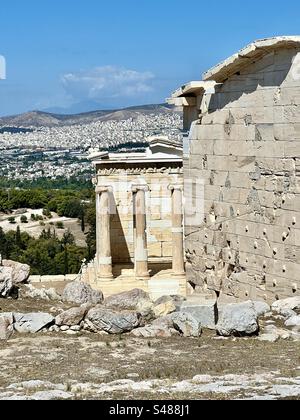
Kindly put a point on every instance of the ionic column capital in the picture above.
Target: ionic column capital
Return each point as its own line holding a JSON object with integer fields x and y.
{"x": 103, "y": 189}
{"x": 176, "y": 187}
{"x": 136, "y": 188}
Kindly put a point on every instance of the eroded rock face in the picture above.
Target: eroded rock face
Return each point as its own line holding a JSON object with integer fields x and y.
{"x": 80, "y": 293}
{"x": 73, "y": 316}
{"x": 239, "y": 319}
{"x": 32, "y": 323}
{"x": 127, "y": 300}
{"x": 20, "y": 272}
{"x": 186, "y": 324}
{"x": 113, "y": 322}
{"x": 6, "y": 281}
{"x": 6, "y": 325}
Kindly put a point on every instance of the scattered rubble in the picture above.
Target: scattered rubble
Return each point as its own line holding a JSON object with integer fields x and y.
{"x": 135, "y": 313}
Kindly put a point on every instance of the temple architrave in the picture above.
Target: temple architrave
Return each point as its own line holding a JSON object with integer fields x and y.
{"x": 139, "y": 208}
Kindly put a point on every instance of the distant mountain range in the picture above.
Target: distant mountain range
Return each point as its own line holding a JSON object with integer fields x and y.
{"x": 45, "y": 119}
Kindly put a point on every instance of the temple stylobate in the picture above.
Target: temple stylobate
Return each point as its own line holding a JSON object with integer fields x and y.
{"x": 139, "y": 211}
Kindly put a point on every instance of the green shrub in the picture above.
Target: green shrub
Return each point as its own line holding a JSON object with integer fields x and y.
{"x": 24, "y": 219}
{"x": 60, "y": 225}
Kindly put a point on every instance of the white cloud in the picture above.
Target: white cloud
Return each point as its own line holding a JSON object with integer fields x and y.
{"x": 108, "y": 82}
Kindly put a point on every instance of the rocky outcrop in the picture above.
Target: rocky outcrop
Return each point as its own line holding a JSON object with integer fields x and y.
{"x": 79, "y": 293}
{"x": 113, "y": 322}
{"x": 240, "y": 319}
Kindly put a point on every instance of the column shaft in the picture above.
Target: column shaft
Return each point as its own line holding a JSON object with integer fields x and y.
{"x": 104, "y": 256}
{"x": 141, "y": 252}
{"x": 178, "y": 264}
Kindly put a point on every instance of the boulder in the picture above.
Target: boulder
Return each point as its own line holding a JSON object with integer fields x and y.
{"x": 73, "y": 316}
{"x": 20, "y": 272}
{"x": 154, "y": 331}
{"x": 164, "y": 307}
{"x": 294, "y": 321}
{"x": 164, "y": 322}
{"x": 286, "y": 314}
{"x": 6, "y": 325}
{"x": 127, "y": 300}
{"x": 89, "y": 326}
{"x": 290, "y": 304}
{"x": 33, "y": 322}
{"x": 177, "y": 299}
{"x": 145, "y": 308}
{"x": 113, "y": 322}
{"x": 6, "y": 281}
{"x": 30, "y": 291}
{"x": 79, "y": 293}
{"x": 186, "y": 324}
{"x": 280, "y": 332}
{"x": 205, "y": 311}
{"x": 270, "y": 337}
{"x": 261, "y": 308}
{"x": 238, "y": 319}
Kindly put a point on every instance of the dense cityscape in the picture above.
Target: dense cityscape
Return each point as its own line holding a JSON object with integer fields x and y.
{"x": 52, "y": 152}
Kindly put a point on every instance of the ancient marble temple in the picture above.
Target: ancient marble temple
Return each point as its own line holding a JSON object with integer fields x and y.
{"x": 139, "y": 202}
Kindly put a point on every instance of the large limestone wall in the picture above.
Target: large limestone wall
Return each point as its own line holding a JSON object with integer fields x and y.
{"x": 158, "y": 207}
{"x": 247, "y": 151}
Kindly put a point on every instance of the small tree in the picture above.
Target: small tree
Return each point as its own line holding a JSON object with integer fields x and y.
{"x": 47, "y": 213}
{"x": 12, "y": 220}
{"x": 18, "y": 238}
{"x": 82, "y": 222}
{"x": 24, "y": 219}
{"x": 60, "y": 225}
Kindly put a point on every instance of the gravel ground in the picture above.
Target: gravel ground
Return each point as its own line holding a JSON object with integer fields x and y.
{"x": 93, "y": 366}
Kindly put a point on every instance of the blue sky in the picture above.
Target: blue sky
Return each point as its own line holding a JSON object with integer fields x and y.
{"x": 78, "y": 55}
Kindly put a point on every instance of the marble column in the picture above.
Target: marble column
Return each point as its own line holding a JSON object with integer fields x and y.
{"x": 141, "y": 252}
{"x": 104, "y": 256}
{"x": 178, "y": 264}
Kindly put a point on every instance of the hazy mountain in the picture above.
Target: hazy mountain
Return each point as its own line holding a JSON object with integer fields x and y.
{"x": 46, "y": 119}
